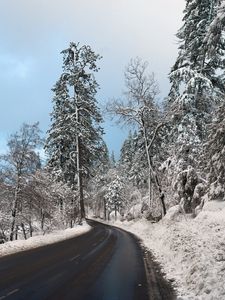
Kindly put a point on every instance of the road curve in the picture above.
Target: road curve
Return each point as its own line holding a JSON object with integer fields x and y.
{"x": 105, "y": 263}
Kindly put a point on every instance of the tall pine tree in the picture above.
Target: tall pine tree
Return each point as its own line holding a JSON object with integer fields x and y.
{"x": 196, "y": 86}
{"x": 74, "y": 138}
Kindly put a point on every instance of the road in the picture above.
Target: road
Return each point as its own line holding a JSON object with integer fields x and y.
{"x": 106, "y": 263}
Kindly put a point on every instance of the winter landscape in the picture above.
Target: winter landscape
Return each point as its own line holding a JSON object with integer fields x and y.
{"x": 80, "y": 220}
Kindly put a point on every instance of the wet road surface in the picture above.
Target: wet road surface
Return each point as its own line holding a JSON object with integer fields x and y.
{"x": 106, "y": 263}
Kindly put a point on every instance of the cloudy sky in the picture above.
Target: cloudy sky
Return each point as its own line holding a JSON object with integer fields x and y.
{"x": 33, "y": 32}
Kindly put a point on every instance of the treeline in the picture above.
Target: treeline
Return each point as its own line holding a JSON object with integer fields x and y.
{"x": 179, "y": 147}
{"x": 30, "y": 200}
{"x": 174, "y": 153}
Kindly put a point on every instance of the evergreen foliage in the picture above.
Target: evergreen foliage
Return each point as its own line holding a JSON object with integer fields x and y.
{"x": 74, "y": 139}
{"x": 215, "y": 154}
{"x": 114, "y": 195}
{"x": 196, "y": 87}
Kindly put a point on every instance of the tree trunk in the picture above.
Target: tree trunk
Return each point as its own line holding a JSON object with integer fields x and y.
{"x": 14, "y": 211}
{"x": 152, "y": 173}
{"x": 16, "y": 233}
{"x": 79, "y": 171}
{"x": 115, "y": 213}
{"x": 105, "y": 212}
{"x": 149, "y": 166}
{"x": 30, "y": 228}
{"x": 150, "y": 189}
{"x": 24, "y": 231}
{"x": 42, "y": 220}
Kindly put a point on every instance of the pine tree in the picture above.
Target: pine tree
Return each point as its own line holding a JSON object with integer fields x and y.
{"x": 74, "y": 138}
{"x": 215, "y": 156}
{"x": 114, "y": 196}
{"x": 195, "y": 82}
{"x": 196, "y": 87}
{"x": 113, "y": 160}
{"x": 126, "y": 155}
{"x": 214, "y": 39}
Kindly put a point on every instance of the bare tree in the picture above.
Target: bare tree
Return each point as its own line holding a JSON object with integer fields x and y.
{"x": 21, "y": 160}
{"x": 140, "y": 109}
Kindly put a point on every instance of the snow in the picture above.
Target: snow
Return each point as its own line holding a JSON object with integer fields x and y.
{"x": 114, "y": 217}
{"x": 191, "y": 251}
{"x": 42, "y": 240}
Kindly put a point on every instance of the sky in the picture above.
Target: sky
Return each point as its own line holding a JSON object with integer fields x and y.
{"x": 33, "y": 33}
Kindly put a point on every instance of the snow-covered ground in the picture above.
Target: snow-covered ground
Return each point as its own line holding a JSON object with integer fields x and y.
{"x": 41, "y": 240}
{"x": 191, "y": 251}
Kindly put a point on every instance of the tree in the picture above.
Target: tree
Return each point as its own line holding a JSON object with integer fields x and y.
{"x": 195, "y": 83}
{"x": 49, "y": 202}
{"x": 98, "y": 181}
{"x": 113, "y": 160}
{"x": 114, "y": 195}
{"x": 196, "y": 88}
{"x": 126, "y": 154}
{"x": 20, "y": 161}
{"x": 214, "y": 42}
{"x": 140, "y": 110}
{"x": 214, "y": 156}
{"x": 74, "y": 139}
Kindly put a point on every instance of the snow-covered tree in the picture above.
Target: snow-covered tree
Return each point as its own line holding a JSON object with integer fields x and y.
{"x": 215, "y": 156}
{"x": 127, "y": 153}
{"x": 20, "y": 161}
{"x": 139, "y": 109}
{"x": 196, "y": 87}
{"x": 195, "y": 82}
{"x": 74, "y": 139}
{"x": 113, "y": 160}
{"x": 48, "y": 202}
{"x": 214, "y": 39}
{"x": 114, "y": 196}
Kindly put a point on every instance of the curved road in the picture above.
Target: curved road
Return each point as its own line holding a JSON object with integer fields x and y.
{"x": 103, "y": 264}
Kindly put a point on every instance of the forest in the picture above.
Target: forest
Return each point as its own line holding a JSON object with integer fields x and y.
{"x": 173, "y": 155}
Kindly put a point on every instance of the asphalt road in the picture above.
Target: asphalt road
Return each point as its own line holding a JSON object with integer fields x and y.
{"x": 106, "y": 263}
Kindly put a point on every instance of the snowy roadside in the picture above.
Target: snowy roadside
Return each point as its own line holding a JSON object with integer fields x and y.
{"x": 42, "y": 240}
{"x": 191, "y": 251}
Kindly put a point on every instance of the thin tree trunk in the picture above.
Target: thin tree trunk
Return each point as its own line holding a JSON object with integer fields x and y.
{"x": 42, "y": 220}
{"x": 105, "y": 212}
{"x": 30, "y": 219}
{"x": 14, "y": 211}
{"x": 16, "y": 233}
{"x": 30, "y": 228}
{"x": 61, "y": 205}
{"x": 24, "y": 231}
{"x": 150, "y": 189}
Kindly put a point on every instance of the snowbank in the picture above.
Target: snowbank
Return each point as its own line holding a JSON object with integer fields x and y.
{"x": 41, "y": 240}
{"x": 191, "y": 251}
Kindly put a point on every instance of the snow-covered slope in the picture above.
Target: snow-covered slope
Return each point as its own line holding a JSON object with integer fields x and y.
{"x": 191, "y": 251}
{"x": 41, "y": 240}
